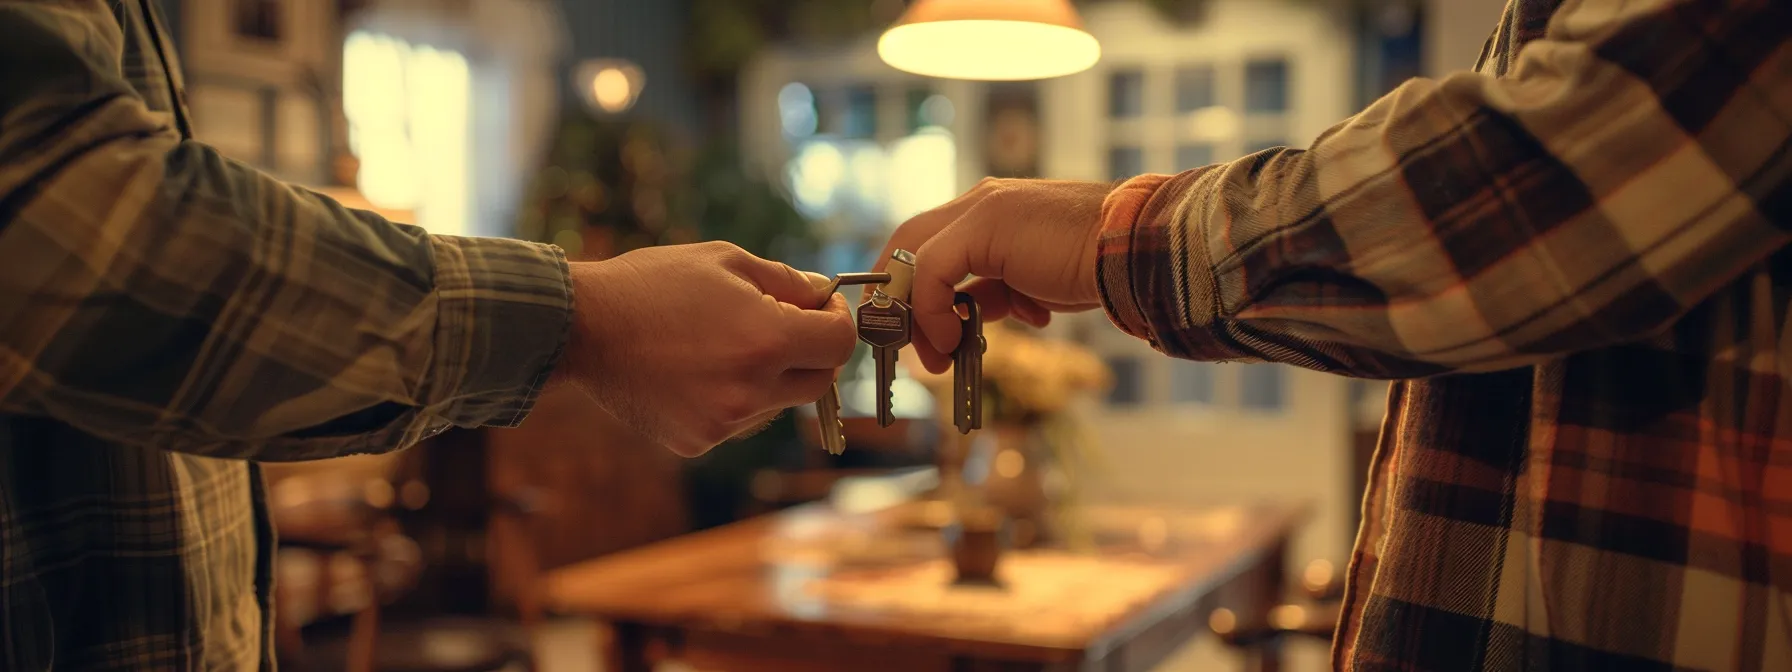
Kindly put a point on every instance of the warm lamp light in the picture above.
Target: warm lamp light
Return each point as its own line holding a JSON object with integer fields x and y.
{"x": 610, "y": 86}
{"x": 990, "y": 40}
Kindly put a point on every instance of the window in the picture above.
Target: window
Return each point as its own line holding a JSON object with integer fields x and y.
{"x": 1194, "y": 88}
{"x": 1266, "y": 86}
{"x": 860, "y": 119}
{"x": 1262, "y": 387}
{"x": 1126, "y": 94}
{"x": 259, "y": 19}
{"x": 1129, "y": 381}
{"x": 1125, "y": 162}
{"x": 1192, "y": 382}
{"x": 1193, "y": 156}
{"x": 926, "y": 108}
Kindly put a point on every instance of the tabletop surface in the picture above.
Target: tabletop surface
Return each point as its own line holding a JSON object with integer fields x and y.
{"x": 882, "y": 577}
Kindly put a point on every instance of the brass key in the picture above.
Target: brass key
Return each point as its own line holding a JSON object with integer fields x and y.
{"x": 827, "y": 408}
{"x": 885, "y": 324}
{"x": 967, "y": 367}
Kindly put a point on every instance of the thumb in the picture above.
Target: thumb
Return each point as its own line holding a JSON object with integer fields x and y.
{"x": 788, "y": 285}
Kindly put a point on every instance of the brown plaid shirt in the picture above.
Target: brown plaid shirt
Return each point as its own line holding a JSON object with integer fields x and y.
{"x": 168, "y": 317}
{"x": 1574, "y": 264}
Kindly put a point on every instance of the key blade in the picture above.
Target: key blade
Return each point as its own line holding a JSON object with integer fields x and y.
{"x": 827, "y": 415}
{"x": 886, "y": 376}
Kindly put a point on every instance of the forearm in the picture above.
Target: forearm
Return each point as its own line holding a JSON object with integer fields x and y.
{"x": 1625, "y": 170}
{"x": 156, "y": 294}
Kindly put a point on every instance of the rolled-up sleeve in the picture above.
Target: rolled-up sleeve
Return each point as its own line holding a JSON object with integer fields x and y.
{"x": 1634, "y": 161}
{"x": 158, "y": 294}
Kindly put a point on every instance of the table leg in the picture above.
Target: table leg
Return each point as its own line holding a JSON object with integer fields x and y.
{"x": 626, "y": 648}
{"x": 1271, "y": 583}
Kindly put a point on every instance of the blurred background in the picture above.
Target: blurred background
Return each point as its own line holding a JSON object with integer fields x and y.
{"x": 604, "y": 126}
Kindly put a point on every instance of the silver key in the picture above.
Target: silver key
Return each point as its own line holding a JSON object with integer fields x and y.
{"x": 827, "y": 408}
{"x": 967, "y": 368}
{"x": 885, "y": 323}
{"x": 827, "y": 413}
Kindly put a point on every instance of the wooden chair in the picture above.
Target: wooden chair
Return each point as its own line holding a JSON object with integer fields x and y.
{"x": 360, "y": 524}
{"x": 1314, "y": 618}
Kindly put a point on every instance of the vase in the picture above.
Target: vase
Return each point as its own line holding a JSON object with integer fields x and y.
{"x": 1009, "y": 471}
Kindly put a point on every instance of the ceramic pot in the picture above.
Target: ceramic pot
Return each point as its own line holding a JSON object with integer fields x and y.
{"x": 1012, "y": 464}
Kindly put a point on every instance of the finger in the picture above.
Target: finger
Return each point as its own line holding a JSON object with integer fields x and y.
{"x": 996, "y": 300}
{"x": 932, "y": 359}
{"x": 786, "y": 284}
{"x": 940, "y": 265}
{"x": 818, "y": 339}
{"x": 797, "y": 387}
{"x": 919, "y": 229}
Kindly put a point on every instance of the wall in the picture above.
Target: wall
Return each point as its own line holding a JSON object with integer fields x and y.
{"x": 249, "y": 98}
{"x": 1455, "y": 31}
{"x": 651, "y": 34}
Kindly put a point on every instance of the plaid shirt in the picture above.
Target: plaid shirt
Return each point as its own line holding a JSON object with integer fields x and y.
{"x": 168, "y": 317}
{"x": 1574, "y": 264}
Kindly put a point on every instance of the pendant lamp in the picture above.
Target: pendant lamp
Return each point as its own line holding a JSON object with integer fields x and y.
{"x": 989, "y": 40}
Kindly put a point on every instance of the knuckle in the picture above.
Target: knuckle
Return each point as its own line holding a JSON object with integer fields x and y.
{"x": 731, "y": 407}
{"x": 725, "y": 251}
{"x": 763, "y": 347}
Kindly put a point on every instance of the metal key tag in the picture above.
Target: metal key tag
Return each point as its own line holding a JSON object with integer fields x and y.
{"x": 884, "y": 322}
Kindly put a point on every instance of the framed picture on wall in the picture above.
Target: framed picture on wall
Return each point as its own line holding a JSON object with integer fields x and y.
{"x": 1011, "y": 129}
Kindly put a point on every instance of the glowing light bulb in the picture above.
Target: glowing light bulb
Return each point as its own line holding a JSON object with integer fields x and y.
{"x": 990, "y": 40}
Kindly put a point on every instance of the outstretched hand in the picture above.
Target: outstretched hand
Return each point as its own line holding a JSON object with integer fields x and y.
{"x": 692, "y": 345}
{"x": 1027, "y": 245}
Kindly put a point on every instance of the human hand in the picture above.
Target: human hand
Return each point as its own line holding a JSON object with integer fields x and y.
{"x": 1029, "y": 243}
{"x": 692, "y": 345}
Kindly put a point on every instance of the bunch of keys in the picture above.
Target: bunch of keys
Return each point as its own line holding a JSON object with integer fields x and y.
{"x": 827, "y": 408}
{"x": 885, "y": 322}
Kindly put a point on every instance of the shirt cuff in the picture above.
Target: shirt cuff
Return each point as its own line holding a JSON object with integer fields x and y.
{"x": 1121, "y": 255}
{"x": 503, "y": 314}
{"x": 1152, "y": 266}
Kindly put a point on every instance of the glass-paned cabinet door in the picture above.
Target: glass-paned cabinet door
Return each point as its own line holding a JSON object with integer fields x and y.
{"x": 1266, "y": 86}
{"x": 1126, "y": 94}
{"x": 1195, "y": 88}
{"x": 1125, "y": 161}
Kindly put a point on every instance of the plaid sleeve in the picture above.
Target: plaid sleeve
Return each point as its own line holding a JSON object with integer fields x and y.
{"x": 1633, "y": 161}
{"x": 155, "y": 293}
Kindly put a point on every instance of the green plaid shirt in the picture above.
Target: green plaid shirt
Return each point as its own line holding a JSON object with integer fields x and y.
{"x": 168, "y": 317}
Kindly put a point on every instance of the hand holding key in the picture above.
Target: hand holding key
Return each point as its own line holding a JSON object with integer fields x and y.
{"x": 692, "y": 345}
{"x": 1029, "y": 243}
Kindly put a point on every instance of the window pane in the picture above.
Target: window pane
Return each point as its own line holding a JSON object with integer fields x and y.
{"x": 1262, "y": 387}
{"x": 1194, "y": 88}
{"x": 1193, "y": 156}
{"x": 1266, "y": 86}
{"x": 1126, "y": 94}
{"x": 1129, "y": 382}
{"x": 860, "y": 120}
{"x": 1125, "y": 162}
{"x": 258, "y": 19}
{"x": 1192, "y": 382}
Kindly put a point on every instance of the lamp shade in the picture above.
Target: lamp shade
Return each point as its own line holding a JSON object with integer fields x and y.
{"x": 989, "y": 40}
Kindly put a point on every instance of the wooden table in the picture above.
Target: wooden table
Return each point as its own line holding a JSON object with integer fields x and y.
{"x": 813, "y": 589}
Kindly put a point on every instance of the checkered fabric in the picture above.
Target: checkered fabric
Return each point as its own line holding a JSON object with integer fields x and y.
{"x": 1573, "y": 263}
{"x": 168, "y": 317}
